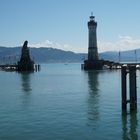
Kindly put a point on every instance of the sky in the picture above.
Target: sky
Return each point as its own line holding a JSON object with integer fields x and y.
{"x": 62, "y": 24}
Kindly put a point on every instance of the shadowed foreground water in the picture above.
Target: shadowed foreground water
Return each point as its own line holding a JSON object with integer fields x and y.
{"x": 62, "y": 102}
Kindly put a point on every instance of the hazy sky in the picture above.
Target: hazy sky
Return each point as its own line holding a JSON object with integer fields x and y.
{"x": 63, "y": 23}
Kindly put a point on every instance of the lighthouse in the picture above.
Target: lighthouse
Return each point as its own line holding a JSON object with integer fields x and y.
{"x": 92, "y": 42}
{"x": 92, "y": 61}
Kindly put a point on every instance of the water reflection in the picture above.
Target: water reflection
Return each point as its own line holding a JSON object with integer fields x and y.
{"x": 129, "y": 126}
{"x": 26, "y": 82}
{"x": 93, "y": 100}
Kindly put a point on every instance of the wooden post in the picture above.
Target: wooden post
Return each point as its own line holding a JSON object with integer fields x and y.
{"x": 38, "y": 67}
{"x": 133, "y": 88}
{"x": 124, "y": 90}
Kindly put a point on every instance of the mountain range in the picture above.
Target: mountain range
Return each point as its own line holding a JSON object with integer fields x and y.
{"x": 53, "y": 55}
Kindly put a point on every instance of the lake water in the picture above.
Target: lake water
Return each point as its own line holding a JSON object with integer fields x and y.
{"x": 63, "y": 102}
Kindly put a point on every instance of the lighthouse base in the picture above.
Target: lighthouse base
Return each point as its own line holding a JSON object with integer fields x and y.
{"x": 93, "y": 65}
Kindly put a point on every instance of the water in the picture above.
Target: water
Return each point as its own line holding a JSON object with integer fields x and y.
{"x": 62, "y": 102}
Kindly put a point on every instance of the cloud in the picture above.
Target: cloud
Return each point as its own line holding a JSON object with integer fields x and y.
{"x": 45, "y": 43}
{"x": 50, "y": 44}
{"x": 122, "y": 44}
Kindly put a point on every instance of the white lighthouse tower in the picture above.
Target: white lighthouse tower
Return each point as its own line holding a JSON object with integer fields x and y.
{"x": 93, "y": 61}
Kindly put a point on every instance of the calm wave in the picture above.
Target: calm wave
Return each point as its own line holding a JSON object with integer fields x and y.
{"x": 62, "y": 102}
